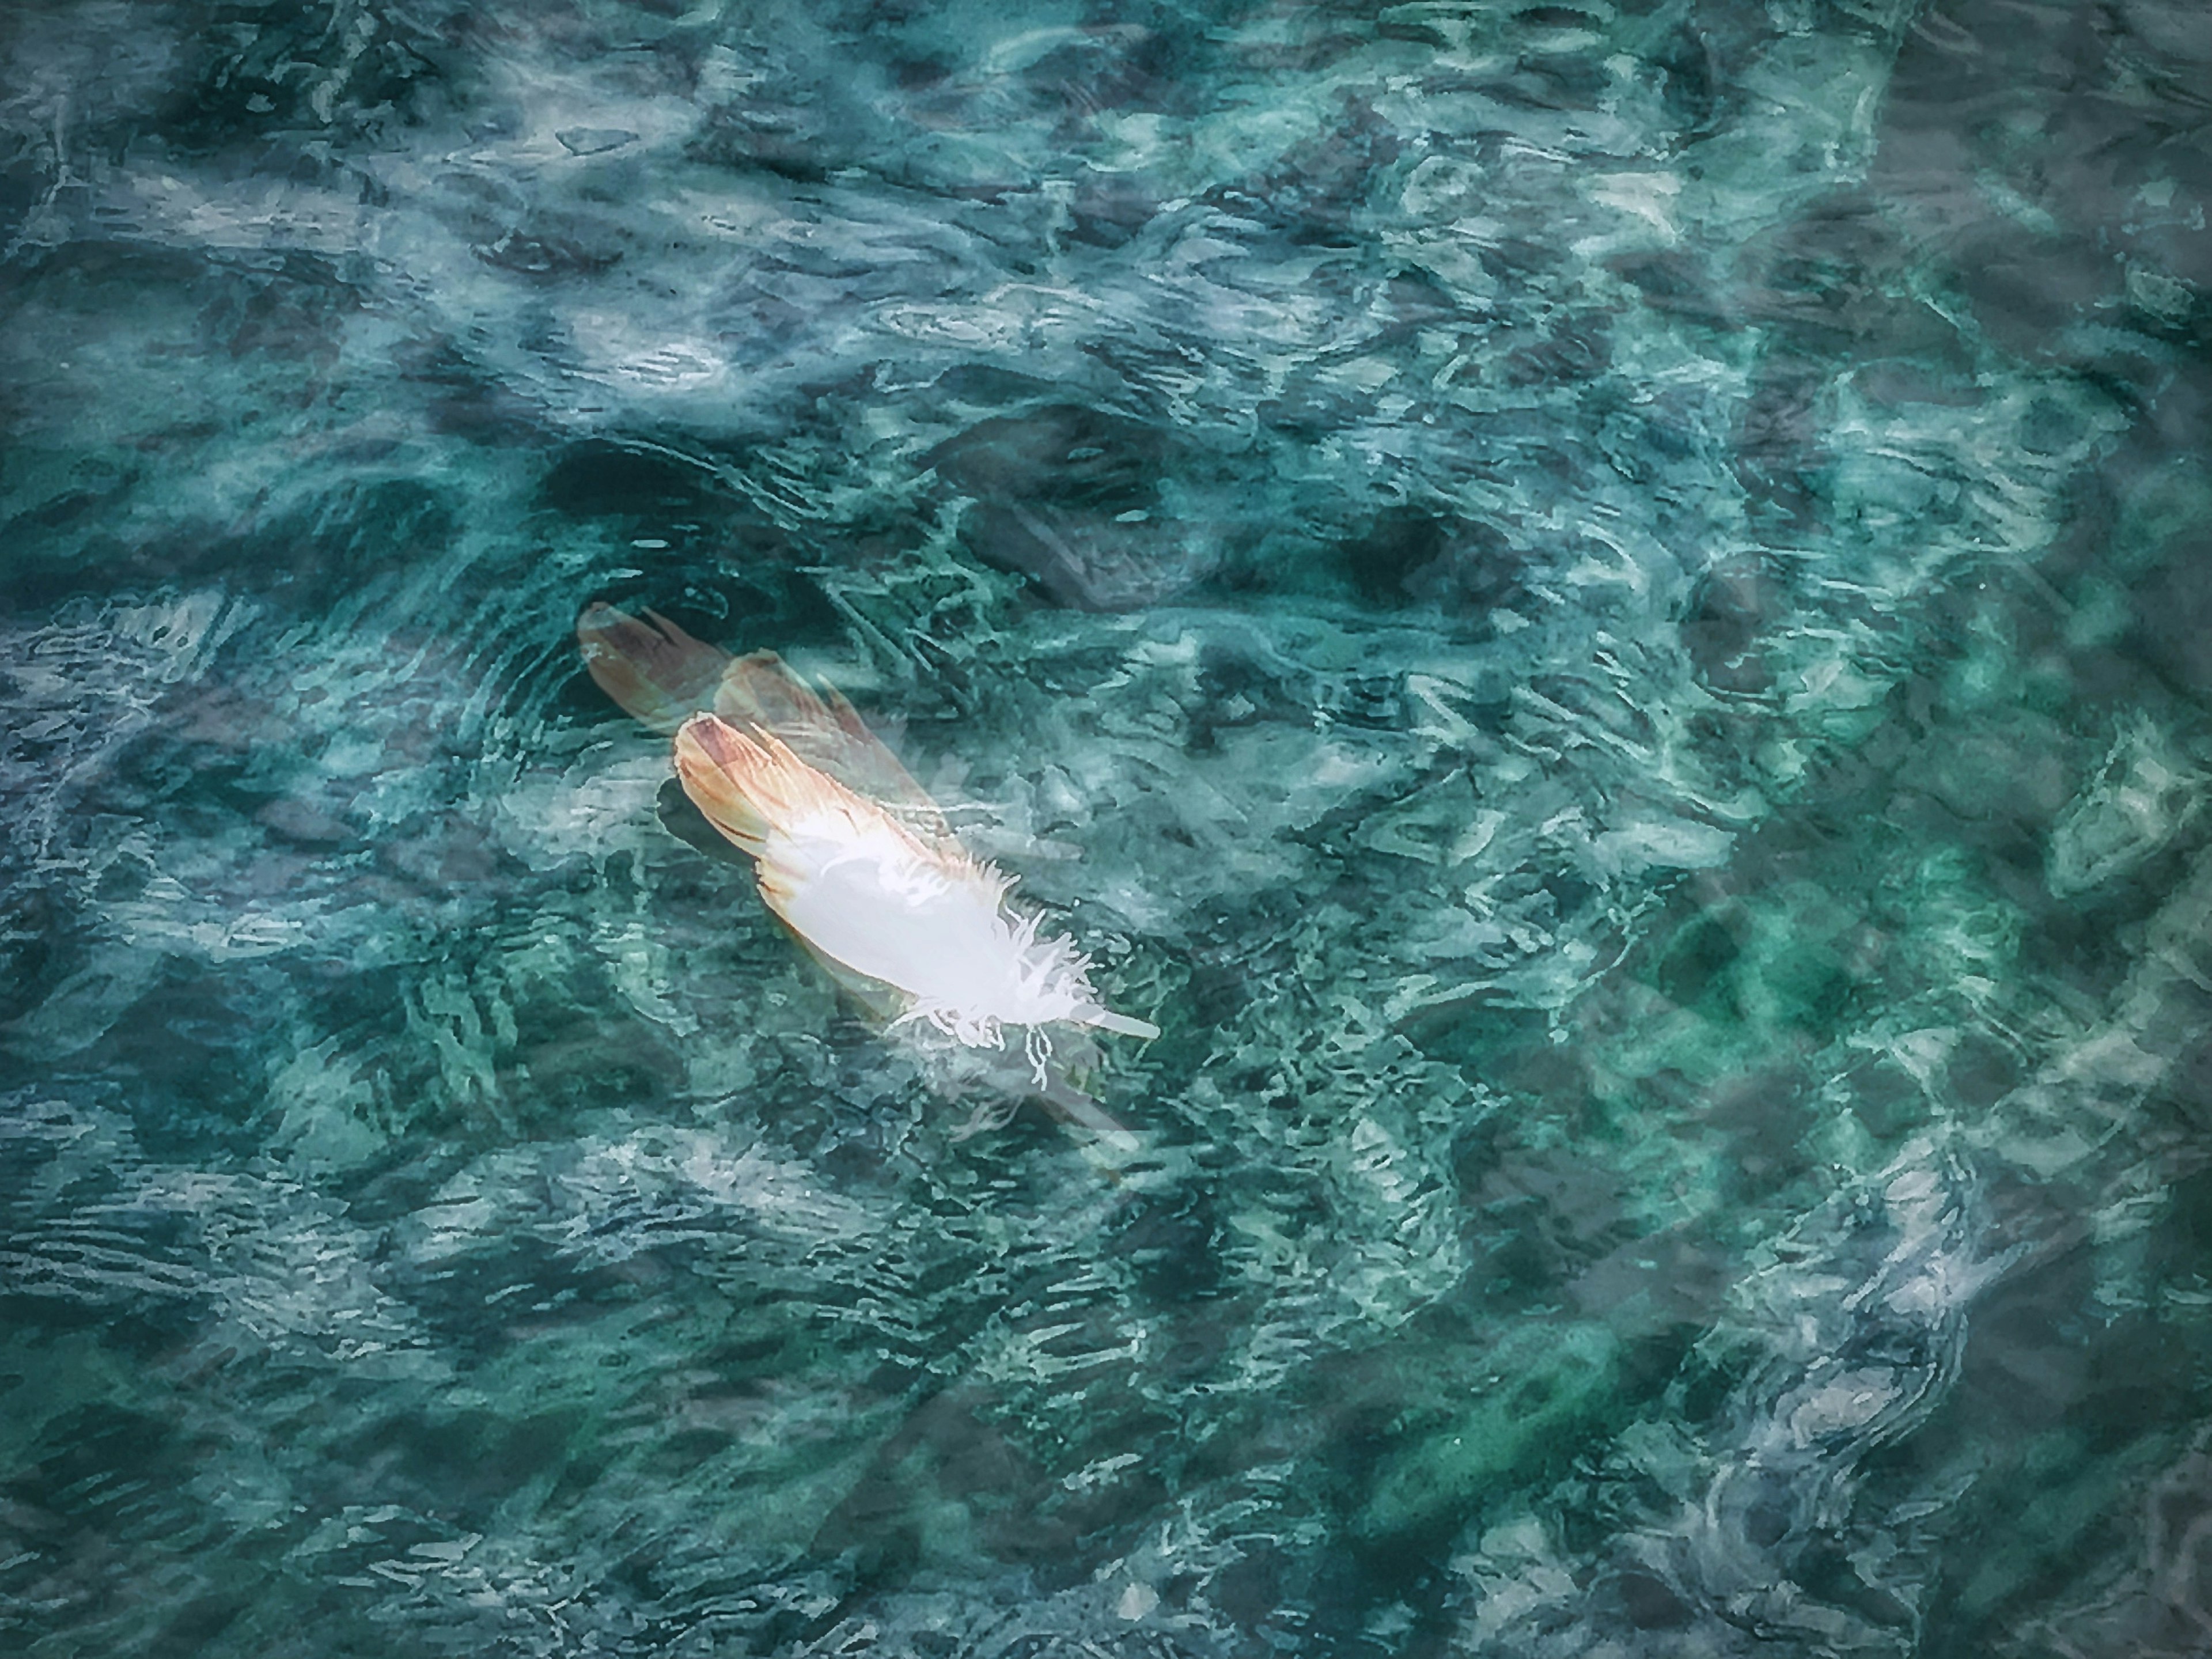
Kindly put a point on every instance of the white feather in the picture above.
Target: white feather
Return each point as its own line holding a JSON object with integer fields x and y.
{"x": 849, "y": 850}
{"x": 907, "y": 910}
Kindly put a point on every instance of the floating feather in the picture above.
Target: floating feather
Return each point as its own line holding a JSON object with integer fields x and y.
{"x": 850, "y": 851}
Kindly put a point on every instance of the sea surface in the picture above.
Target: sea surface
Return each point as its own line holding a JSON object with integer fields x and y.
{"x": 1603, "y": 610}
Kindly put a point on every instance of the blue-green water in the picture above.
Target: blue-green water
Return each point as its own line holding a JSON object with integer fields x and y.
{"x": 1601, "y": 609}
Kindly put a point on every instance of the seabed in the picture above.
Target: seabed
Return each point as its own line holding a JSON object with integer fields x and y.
{"x": 1603, "y": 611}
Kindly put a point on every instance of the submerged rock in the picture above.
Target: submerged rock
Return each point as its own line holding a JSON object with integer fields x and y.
{"x": 1081, "y": 502}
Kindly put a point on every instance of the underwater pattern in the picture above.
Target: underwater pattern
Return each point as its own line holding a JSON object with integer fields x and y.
{"x": 1603, "y": 611}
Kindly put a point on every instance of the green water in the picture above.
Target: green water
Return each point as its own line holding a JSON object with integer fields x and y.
{"x": 1599, "y": 610}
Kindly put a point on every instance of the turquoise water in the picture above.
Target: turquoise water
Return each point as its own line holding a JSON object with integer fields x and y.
{"x": 1601, "y": 610}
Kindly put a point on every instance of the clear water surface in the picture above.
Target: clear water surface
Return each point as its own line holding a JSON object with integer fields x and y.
{"x": 1601, "y": 607}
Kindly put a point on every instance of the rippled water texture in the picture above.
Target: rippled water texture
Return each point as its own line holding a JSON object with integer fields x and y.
{"x": 1601, "y": 609}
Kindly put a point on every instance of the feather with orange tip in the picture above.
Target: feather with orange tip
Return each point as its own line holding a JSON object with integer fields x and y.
{"x": 849, "y": 851}
{"x": 865, "y": 890}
